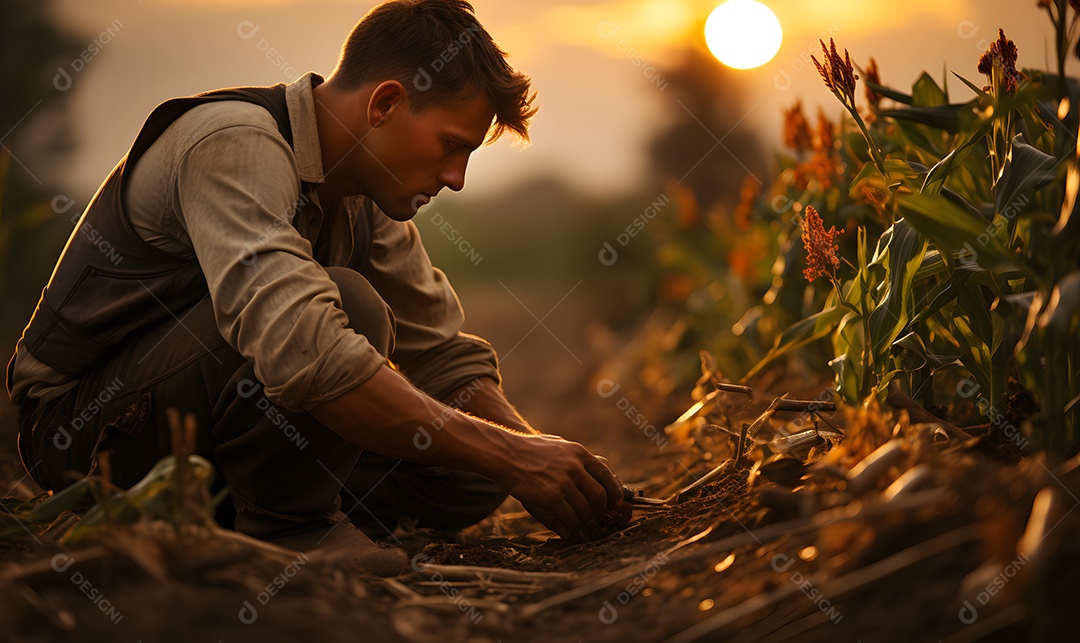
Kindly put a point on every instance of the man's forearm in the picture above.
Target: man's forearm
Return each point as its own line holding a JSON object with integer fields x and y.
{"x": 484, "y": 398}
{"x": 388, "y": 415}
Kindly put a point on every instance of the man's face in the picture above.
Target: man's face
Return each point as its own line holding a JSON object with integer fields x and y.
{"x": 418, "y": 153}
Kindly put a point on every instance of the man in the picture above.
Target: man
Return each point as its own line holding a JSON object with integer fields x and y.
{"x": 252, "y": 261}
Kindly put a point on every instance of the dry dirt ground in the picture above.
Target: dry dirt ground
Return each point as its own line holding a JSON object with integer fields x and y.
{"x": 933, "y": 537}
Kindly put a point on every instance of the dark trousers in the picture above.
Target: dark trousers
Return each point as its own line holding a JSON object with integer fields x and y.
{"x": 274, "y": 461}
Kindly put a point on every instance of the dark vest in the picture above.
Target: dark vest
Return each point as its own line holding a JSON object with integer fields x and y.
{"x": 109, "y": 283}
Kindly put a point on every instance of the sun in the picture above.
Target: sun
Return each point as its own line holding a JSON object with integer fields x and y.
{"x": 743, "y": 34}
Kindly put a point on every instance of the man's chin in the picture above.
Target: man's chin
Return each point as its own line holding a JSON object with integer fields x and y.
{"x": 398, "y": 212}
{"x": 406, "y": 215}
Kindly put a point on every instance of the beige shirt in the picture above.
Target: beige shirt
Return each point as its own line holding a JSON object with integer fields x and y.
{"x": 220, "y": 186}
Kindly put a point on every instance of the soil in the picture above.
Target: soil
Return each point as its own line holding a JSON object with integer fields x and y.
{"x": 979, "y": 546}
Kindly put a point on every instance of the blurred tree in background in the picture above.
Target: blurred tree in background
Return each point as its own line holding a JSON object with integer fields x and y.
{"x": 707, "y": 149}
{"x": 36, "y": 132}
{"x": 708, "y": 260}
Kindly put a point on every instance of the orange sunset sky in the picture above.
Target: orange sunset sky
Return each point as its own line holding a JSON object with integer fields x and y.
{"x": 599, "y": 105}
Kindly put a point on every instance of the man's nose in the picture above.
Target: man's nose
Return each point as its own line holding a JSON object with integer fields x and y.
{"x": 453, "y": 175}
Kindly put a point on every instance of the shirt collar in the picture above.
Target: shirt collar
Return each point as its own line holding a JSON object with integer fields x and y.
{"x": 300, "y": 100}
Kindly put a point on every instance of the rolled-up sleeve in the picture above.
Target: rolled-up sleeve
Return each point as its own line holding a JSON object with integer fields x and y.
{"x": 273, "y": 303}
{"x": 430, "y": 347}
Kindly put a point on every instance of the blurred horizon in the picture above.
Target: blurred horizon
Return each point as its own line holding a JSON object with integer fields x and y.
{"x": 601, "y": 69}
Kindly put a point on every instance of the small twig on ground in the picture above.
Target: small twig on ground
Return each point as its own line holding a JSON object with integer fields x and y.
{"x": 399, "y": 589}
{"x": 740, "y": 450}
{"x": 831, "y": 426}
{"x": 467, "y": 572}
{"x": 454, "y": 604}
{"x": 488, "y": 586}
{"x": 764, "y": 417}
{"x": 736, "y": 388}
{"x": 270, "y": 550}
{"x": 697, "y": 484}
{"x": 696, "y": 409}
{"x": 804, "y": 406}
{"x": 867, "y": 471}
{"x": 18, "y": 572}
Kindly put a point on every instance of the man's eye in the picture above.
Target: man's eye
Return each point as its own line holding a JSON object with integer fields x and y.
{"x": 449, "y": 145}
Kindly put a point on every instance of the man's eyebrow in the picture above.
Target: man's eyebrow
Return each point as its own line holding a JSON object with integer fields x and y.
{"x": 460, "y": 140}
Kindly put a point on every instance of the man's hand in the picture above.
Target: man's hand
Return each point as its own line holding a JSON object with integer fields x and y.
{"x": 571, "y": 491}
{"x": 567, "y": 488}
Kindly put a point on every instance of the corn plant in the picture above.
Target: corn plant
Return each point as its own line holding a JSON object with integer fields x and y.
{"x": 975, "y": 268}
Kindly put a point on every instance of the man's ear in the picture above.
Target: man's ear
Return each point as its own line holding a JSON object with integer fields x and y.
{"x": 388, "y": 97}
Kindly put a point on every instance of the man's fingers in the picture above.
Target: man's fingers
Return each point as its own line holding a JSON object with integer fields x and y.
{"x": 585, "y": 519}
{"x": 570, "y": 511}
{"x": 550, "y": 521}
{"x": 596, "y": 495}
{"x": 574, "y": 493}
{"x": 573, "y": 517}
{"x": 599, "y": 469}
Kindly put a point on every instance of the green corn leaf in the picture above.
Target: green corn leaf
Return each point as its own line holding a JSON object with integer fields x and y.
{"x": 951, "y": 228}
{"x": 889, "y": 92}
{"x": 935, "y": 178}
{"x": 933, "y": 264}
{"x": 896, "y": 171}
{"x": 972, "y": 305}
{"x": 1026, "y": 170}
{"x": 996, "y": 283}
{"x": 1068, "y": 203}
{"x": 943, "y": 293}
{"x": 851, "y": 368}
{"x": 868, "y": 174}
{"x": 1018, "y": 304}
{"x": 942, "y": 117}
{"x": 973, "y": 87}
{"x": 975, "y": 357}
{"x": 861, "y": 252}
{"x": 910, "y": 345}
{"x": 940, "y": 326}
{"x": 962, "y": 202}
{"x": 926, "y": 93}
{"x": 62, "y": 501}
{"x": 12, "y": 505}
{"x": 801, "y": 333}
{"x": 907, "y": 248}
{"x": 916, "y": 142}
{"x": 846, "y": 385}
{"x": 997, "y": 337}
{"x": 914, "y": 342}
{"x": 1062, "y": 314}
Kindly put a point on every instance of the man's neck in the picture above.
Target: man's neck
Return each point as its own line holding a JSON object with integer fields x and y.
{"x": 337, "y": 139}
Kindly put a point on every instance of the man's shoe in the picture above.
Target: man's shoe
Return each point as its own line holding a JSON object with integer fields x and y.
{"x": 334, "y": 540}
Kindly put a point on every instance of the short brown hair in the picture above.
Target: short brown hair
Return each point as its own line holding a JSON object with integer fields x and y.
{"x": 442, "y": 54}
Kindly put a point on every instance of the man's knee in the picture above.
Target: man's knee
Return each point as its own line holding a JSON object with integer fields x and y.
{"x": 368, "y": 313}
